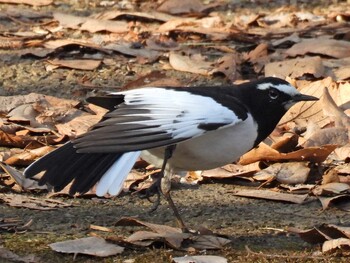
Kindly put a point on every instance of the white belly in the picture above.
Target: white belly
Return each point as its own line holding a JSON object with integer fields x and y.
{"x": 211, "y": 150}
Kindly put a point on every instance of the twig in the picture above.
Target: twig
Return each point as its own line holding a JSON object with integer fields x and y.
{"x": 260, "y": 254}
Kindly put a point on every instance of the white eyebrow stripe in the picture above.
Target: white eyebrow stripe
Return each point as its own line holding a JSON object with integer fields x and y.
{"x": 288, "y": 89}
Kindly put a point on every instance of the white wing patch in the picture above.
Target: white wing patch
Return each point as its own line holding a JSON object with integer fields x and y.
{"x": 178, "y": 112}
{"x": 112, "y": 181}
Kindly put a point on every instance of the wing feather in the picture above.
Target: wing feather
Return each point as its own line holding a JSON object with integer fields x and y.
{"x": 154, "y": 117}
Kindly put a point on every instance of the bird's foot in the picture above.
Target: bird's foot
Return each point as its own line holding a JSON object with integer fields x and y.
{"x": 153, "y": 190}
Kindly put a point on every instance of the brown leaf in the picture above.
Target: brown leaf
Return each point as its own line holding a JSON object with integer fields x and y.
{"x": 338, "y": 68}
{"x": 333, "y": 110}
{"x": 93, "y": 246}
{"x": 26, "y": 157}
{"x": 312, "y": 236}
{"x": 15, "y": 141}
{"x": 342, "y": 202}
{"x": 101, "y": 228}
{"x": 304, "y": 114}
{"x": 22, "y": 182}
{"x": 272, "y": 195}
{"x": 78, "y": 125}
{"x": 202, "y": 242}
{"x": 18, "y": 200}
{"x": 133, "y": 178}
{"x": 59, "y": 43}
{"x": 7, "y": 103}
{"x": 193, "y": 63}
{"x": 149, "y": 15}
{"x": 200, "y": 259}
{"x": 160, "y": 229}
{"x": 227, "y": 65}
{"x": 266, "y": 153}
{"x": 83, "y": 64}
{"x": 153, "y": 79}
{"x": 146, "y": 238}
{"x": 162, "y": 43}
{"x": 296, "y": 68}
{"x": 341, "y": 153}
{"x": 173, "y": 237}
{"x": 24, "y": 113}
{"x": 286, "y": 173}
{"x": 330, "y": 246}
{"x": 333, "y": 135}
{"x": 6, "y": 254}
{"x": 330, "y": 189}
{"x": 28, "y": 2}
{"x": 231, "y": 170}
{"x": 173, "y": 7}
{"x": 68, "y": 20}
{"x": 212, "y": 27}
{"x": 322, "y": 46}
{"x": 96, "y": 25}
{"x": 286, "y": 143}
{"x": 331, "y": 176}
{"x": 127, "y": 49}
{"x": 186, "y": 7}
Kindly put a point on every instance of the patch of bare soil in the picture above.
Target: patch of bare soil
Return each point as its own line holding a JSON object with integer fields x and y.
{"x": 250, "y": 223}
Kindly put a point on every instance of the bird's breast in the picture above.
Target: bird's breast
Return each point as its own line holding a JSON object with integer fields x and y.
{"x": 213, "y": 149}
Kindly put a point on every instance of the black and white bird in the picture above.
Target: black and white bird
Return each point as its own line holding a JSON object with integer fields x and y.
{"x": 176, "y": 129}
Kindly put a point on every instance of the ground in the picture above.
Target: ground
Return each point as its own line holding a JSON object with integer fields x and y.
{"x": 256, "y": 227}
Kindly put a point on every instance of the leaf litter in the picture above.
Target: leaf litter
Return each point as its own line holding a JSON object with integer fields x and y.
{"x": 310, "y": 50}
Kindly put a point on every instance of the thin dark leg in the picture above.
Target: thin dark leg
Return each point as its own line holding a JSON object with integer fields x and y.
{"x": 165, "y": 187}
{"x": 155, "y": 188}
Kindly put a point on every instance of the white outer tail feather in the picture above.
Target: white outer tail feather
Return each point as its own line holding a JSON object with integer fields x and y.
{"x": 112, "y": 181}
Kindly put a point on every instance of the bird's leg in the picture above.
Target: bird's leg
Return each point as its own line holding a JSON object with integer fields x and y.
{"x": 165, "y": 187}
{"x": 155, "y": 188}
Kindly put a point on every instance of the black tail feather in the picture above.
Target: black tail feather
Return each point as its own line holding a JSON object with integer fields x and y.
{"x": 65, "y": 165}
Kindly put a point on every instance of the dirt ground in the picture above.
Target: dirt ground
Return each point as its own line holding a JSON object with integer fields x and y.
{"x": 256, "y": 224}
{"x": 251, "y": 224}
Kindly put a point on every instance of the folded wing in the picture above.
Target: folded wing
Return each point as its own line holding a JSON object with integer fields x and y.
{"x": 154, "y": 117}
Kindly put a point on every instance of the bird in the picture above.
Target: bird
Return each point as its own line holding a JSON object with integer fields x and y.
{"x": 177, "y": 129}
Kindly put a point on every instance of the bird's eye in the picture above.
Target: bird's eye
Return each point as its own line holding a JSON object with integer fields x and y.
{"x": 273, "y": 94}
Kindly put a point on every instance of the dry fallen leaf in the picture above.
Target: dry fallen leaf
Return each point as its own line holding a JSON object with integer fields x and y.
{"x": 330, "y": 189}
{"x": 264, "y": 152}
{"x": 322, "y": 46}
{"x": 286, "y": 173}
{"x": 26, "y": 157}
{"x": 93, "y": 246}
{"x": 78, "y": 125}
{"x": 200, "y": 259}
{"x": 173, "y": 7}
{"x": 272, "y": 195}
{"x": 330, "y": 246}
{"x": 171, "y": 236}
{"x": 9, "y": 256}
{"x": 194, "y": 63}
{"x": 231, "y": 171}
{"x": 28, "y": 2}
{"x": 18, "y": 200}
{"x": 22, "y": 182}
{"x": 296, "y": 68}
{"x": 82, "y": 64}
{"x": 341, "y": 202}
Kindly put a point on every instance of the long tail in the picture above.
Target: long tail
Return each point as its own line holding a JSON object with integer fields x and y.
{"x": 64, "y": 165}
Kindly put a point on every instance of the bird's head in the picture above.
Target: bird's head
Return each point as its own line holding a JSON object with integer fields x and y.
{"x": 279, "y": 92}
{"x": 269, "y": 99}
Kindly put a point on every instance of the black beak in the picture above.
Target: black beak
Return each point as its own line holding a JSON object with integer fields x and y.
{"x": 303, "y": 97}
